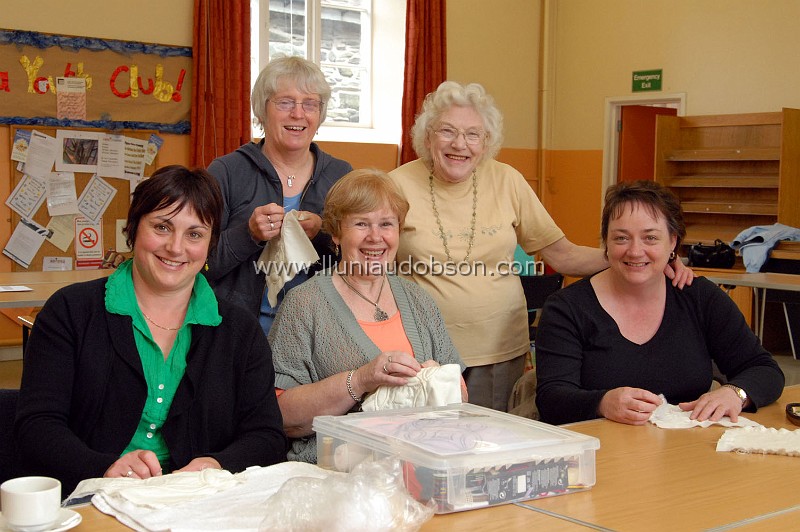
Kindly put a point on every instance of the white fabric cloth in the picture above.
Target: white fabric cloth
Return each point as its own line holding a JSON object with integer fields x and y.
{"x": 434, "y": 386}
{"x": 240, "y": 505}
{"x": 761, "y": 440}
{"x": 668, "y": 416}
{"x": 286, "y": 255}
{"x": 159, "y": 492}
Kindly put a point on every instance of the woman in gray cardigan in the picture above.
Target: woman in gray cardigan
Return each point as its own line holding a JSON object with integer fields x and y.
{"x": 342, "y": 334}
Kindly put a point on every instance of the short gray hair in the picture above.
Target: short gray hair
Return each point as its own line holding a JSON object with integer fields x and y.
{"x": 307, "y": 76}
{"x": 447, "y": 95}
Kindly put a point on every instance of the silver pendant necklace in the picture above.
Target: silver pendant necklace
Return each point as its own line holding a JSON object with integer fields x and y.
{"x": 380, "y": 314}
{"x": 289, "y": 180}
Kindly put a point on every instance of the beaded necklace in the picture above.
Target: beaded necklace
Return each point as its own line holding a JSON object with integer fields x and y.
{"x": 442, "y": 234}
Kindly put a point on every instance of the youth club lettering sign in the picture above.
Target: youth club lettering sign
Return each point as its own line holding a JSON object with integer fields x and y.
{"x": 128, "y": 85}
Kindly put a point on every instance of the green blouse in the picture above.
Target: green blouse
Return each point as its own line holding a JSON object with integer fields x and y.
{"x": 162, "y": 376}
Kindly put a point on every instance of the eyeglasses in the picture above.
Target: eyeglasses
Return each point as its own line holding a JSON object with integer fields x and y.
{"x": 287, "y": 104}
{"x": 450, "y": 134}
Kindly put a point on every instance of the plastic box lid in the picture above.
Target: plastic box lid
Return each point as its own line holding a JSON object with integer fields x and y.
{"x": 454, "y": 436}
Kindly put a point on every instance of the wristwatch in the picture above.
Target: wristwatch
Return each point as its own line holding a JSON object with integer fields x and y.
{"x": 741, "y": 393}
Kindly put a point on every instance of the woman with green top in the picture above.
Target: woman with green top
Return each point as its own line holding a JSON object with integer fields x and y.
{"x": 146, "y": 372}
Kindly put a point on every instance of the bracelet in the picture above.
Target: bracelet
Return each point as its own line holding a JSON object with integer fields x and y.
{"x": 350, "y": 386}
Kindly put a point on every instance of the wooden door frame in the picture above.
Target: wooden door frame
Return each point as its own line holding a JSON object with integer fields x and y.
{"x": 613, "y": 114}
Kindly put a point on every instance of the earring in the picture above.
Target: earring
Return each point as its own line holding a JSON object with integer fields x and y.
{"x": 672, "y": 256}
{"x": 336, "y": 249}
{"x": 205, "y": 268}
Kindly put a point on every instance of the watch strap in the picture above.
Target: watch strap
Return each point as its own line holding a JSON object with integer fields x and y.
{"x": 741, "y": 393}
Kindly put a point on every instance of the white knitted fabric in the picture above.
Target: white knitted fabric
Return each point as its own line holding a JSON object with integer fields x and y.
{"x": 667, "y": 416}
{"x": 292, "y": 250}
{"x": 436, "y": 386}
{"x": 761, "y": 440}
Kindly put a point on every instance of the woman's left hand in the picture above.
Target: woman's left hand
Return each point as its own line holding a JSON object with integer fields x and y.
{"x": 680, "y": 274}
{"x": 310, "y": 222}
{"x": 714, "y": 405}
{"x": 200, "y": 463}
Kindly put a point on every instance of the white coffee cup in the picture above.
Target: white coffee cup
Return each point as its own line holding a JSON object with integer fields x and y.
{"x": 30, "y": 504}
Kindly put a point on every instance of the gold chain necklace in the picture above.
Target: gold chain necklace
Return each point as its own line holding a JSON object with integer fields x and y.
{"x": 148, "y": 318}
{"x": 380, "y": 314}
{"x": 472, "y": 224}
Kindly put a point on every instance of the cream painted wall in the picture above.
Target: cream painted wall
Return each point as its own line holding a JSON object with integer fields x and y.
{"x": 728, "y": 56}
{"x": 496, "y": 44}
{"x": 152, "y": 21}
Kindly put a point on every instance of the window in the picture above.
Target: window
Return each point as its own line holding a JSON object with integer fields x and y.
{"x": 343, "y": 37}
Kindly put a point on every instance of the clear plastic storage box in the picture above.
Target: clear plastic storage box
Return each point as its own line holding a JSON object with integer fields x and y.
{"x": 462, "y": 456}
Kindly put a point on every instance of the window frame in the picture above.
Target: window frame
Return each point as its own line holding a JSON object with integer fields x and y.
{"x": 385, "y": 78}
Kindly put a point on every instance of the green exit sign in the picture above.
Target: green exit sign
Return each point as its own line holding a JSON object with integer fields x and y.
{"x": 647, "y": 80}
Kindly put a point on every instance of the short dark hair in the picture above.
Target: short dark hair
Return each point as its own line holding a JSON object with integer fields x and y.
{"x": 179, "y": 186}
{"x": 657, "y": 198}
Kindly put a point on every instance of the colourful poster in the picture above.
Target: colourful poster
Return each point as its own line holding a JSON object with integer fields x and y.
{"x": 123, "y": 84}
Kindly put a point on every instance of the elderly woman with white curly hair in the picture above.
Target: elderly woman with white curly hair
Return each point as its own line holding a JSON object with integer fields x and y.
{"x": 468, "y": 213}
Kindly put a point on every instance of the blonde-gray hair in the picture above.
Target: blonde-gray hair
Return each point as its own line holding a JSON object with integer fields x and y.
{"x": 305, "y": 74}
{"x": 450, "y": 94}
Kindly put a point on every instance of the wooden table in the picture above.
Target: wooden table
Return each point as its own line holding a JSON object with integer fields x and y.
{"x": 657, "y": 479}
{"x": 42, "y": 284}
{"x": 760, "y": 283}
{"x": 647, "y": 479}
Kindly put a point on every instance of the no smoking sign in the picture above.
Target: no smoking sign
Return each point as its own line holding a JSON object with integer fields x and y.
{"x": 88, "y": 238}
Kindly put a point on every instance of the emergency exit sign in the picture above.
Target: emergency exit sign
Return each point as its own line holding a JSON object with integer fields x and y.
{"x": 647, "y": 80}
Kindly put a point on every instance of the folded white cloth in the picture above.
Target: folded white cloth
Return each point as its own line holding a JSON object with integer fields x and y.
{"x": 761, "y": 440}
{"x": 286, "y": 255}
{"x": 434, "y": 386}
{"x": 239, "y": 507}
{"x": 159, "y": 492}
{"x": 667, "y": 416}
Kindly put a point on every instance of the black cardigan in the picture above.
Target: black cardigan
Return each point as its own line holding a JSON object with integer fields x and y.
{"x": 83, "y": 391}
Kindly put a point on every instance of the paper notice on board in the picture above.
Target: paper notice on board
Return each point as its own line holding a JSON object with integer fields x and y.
{"x": 78, "y": 150}
{"x": 135, "y": 152}
{"x": 71, "y": 98}
{"x": 96, "y": 198}
{"x": 27, "y": 196}
{"x": 19, "y": 150}
{"x": 111, "y": 162}
{"x": 42, "y": 153}
{"x": 62, "y": 229}
{"x": 56, "y": 264}
{"x": 88, "y": 240}
{"x": 61, "y": 196}
{"x": 153, "y": 145}
{"x": 25, "y": 242}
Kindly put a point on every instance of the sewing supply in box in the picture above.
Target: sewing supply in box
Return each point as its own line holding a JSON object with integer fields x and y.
{"x": 462, "y": 456}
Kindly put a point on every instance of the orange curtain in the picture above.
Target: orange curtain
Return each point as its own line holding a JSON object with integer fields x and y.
{"x": 426, "y": 61}
{"x": 221, "y": 80}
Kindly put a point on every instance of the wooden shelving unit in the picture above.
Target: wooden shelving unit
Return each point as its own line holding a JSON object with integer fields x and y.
{"x": 731, "y": 172}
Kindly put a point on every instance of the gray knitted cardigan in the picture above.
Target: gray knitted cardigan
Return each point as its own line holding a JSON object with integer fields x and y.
{"x": 315, "y": 335}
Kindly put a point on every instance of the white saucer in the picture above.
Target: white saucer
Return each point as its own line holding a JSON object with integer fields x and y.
{"x": 66, "y": 519}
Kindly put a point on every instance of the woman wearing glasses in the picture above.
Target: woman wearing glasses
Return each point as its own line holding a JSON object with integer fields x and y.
{"x": 261, "y": 181}
{"x": 470, "y": 211}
